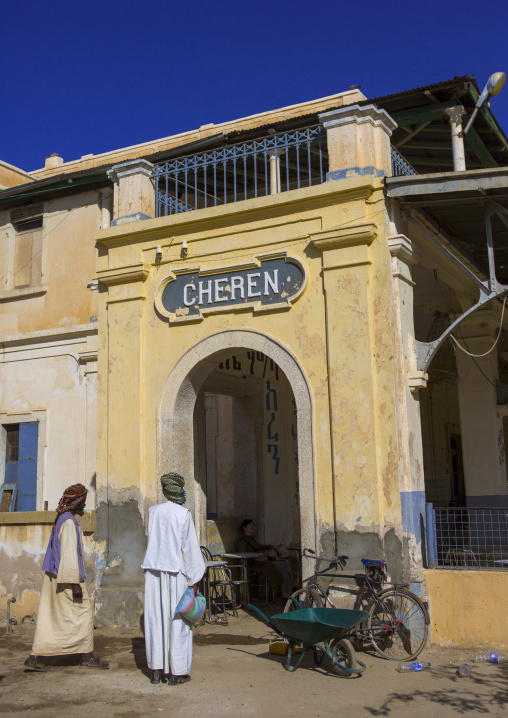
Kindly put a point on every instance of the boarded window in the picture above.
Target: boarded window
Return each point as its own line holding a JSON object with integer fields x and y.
{"x": 28, "y": 254}
{"x": 21, "y": 442}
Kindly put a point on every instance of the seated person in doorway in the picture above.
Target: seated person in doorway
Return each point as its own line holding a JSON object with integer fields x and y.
{"x": 276, "y": 576}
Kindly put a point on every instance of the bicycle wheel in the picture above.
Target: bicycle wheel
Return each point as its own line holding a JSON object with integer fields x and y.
{"x": 342, "y": 650}
{"x": 307, "y": 598}
{"x": 397, "y": 625}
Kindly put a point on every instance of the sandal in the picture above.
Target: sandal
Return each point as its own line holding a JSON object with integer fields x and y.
{"x": 156, "y": 677}
{"x": 93, "y": 663}
{"x": 178, "y": 680}
{"x": 37, "y": 666}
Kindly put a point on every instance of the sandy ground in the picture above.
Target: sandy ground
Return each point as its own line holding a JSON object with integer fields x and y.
{"x": 234, "y": 674}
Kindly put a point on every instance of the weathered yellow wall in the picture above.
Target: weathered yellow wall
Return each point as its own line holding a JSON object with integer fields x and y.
{"x": 468, "y": 608}
{"x": 340, "y": 330}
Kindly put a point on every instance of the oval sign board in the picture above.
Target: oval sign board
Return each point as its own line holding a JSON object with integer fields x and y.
{"x": 271, "y": 281}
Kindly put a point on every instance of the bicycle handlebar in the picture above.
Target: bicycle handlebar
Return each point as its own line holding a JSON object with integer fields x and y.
{"x": 309, "y": 553}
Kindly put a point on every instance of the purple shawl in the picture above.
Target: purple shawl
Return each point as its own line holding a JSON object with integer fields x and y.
{"x": 52, "y": 559}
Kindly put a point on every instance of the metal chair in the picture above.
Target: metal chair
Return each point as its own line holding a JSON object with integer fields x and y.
{"x": 258, "y": 582}
{"x": 218, "y": 581}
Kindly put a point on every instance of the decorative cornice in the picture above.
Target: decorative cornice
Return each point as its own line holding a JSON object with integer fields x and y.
{"x": 417, "y": 380}
{"x": 402, "y": 248}
{"x": 131, "y": 167}
{"x": 349, "y": 236}
{"x": 358, "y": 114}
{"x": 124, "y": 275}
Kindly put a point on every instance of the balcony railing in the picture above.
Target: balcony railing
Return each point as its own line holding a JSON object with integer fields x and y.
{"x": 400, "y": 166}
{"x": 248, "y": 170}
{"x": 243, "y": 171}
{"x": 474, "y": 538}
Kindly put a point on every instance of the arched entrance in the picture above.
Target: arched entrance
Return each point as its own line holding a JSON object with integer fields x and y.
{"x": 182, "y": 402}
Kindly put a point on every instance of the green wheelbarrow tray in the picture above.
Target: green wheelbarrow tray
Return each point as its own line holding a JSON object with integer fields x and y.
{"x": 323, "y": 628}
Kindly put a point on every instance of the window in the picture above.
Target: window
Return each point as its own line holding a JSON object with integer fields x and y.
{"x": 27, "y": 269}
{"x": 19, "y": 447}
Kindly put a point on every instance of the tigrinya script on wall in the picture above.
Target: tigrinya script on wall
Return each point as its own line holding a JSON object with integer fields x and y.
{"x": 270, "y": 281}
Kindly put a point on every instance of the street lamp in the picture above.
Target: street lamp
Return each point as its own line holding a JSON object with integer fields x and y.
{"x": 493, "y": 87}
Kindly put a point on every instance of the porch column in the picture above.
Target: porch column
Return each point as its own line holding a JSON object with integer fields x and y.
{"x": 134, "y": 192}
{"x": 412, "y": 489}
{"x": 358, "y": 141}
{"x": 481, "y": 428}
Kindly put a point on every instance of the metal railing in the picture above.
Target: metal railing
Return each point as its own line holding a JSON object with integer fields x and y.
{"x": 400, "y": 166}
{"x": 237, "y": 172}
{"x": 473, "y": 538}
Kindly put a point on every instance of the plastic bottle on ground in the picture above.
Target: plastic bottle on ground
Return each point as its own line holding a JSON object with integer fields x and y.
{"x": 491, "y": 658}
{"x": 412, "y": 667}
{"x": 464, "y": 671}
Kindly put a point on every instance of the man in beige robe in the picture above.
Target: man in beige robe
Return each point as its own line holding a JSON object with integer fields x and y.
{"x": 65, "y": 616}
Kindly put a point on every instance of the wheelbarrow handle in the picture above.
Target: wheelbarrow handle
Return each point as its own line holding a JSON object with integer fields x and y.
{"x": 262, "y": 616}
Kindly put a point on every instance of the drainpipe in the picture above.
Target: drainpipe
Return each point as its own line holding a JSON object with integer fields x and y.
{"x": 9, "y": 624}
{"x": 459, "y": 158}
{"x": 431, "y": 535}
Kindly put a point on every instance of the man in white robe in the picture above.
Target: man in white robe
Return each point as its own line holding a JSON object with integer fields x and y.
{"x": 172, "y": 563}
{"x": 65, "y": 615}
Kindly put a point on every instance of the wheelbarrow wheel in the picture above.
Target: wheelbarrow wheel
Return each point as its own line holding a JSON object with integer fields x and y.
{"x": 342, "y": 650}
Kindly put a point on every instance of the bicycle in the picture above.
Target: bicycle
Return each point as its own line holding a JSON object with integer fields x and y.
{"x": 398, "y": 622}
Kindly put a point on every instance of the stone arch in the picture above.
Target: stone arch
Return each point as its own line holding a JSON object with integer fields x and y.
{"x": 175, "y": 415}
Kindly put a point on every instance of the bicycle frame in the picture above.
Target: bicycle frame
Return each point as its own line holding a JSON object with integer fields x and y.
{"x": 367, "y": 590}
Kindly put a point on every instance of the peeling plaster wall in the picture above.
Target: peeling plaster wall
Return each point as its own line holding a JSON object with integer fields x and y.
{"x": 42, "y": 380}
{"x": 22, "y": 550}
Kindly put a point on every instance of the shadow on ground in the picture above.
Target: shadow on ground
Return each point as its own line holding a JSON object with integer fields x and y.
{"x": 463, "y": 698}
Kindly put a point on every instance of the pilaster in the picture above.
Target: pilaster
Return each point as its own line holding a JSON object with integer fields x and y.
{"x": 410, "y": 381}
{"x": 134, "y": 193}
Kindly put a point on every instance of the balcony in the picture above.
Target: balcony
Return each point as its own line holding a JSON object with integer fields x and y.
{"x": 274, "y": 164}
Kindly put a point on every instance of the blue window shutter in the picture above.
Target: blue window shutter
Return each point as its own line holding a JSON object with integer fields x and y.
{"x": 27, "y": 466}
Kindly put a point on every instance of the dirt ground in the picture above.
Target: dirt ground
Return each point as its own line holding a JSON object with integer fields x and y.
{"x": 234, "y": 674}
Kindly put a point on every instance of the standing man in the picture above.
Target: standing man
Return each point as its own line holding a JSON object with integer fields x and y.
{"x": 65, "y": 615}
{"x": 172, "y": 563}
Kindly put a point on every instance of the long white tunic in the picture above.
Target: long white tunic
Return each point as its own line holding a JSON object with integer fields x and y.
{"x": 172, "y": 562}
{"x": 64, "y": 624}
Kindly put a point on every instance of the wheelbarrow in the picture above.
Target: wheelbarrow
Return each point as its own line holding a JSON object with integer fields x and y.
{"x": 323, "y": 628}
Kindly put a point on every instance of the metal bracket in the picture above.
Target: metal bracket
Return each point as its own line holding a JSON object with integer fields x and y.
{"x": 490, "y": 289}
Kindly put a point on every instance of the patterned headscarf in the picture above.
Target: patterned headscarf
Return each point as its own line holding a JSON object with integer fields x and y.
{"x": 172, "y": 487}
{"x": 74, "y": 498}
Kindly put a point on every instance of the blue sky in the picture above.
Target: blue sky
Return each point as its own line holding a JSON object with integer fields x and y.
{"x": 88, "y": 77}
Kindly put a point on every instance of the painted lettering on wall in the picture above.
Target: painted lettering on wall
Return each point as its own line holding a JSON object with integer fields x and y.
{"x": 272, "y": 435}
{"x": 269, "y": 282}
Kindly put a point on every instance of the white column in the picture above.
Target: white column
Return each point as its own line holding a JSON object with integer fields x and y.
{"x": 459, "y": 158}
{"x": 275, "y": 187}
{"x": 481, "y": 428}
{"x": 106, "y": 206}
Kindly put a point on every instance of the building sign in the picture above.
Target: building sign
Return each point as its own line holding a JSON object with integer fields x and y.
{"x": 271, "y": 281}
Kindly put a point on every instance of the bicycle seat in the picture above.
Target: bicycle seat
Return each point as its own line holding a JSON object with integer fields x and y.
{"x": 378, "y": 564}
